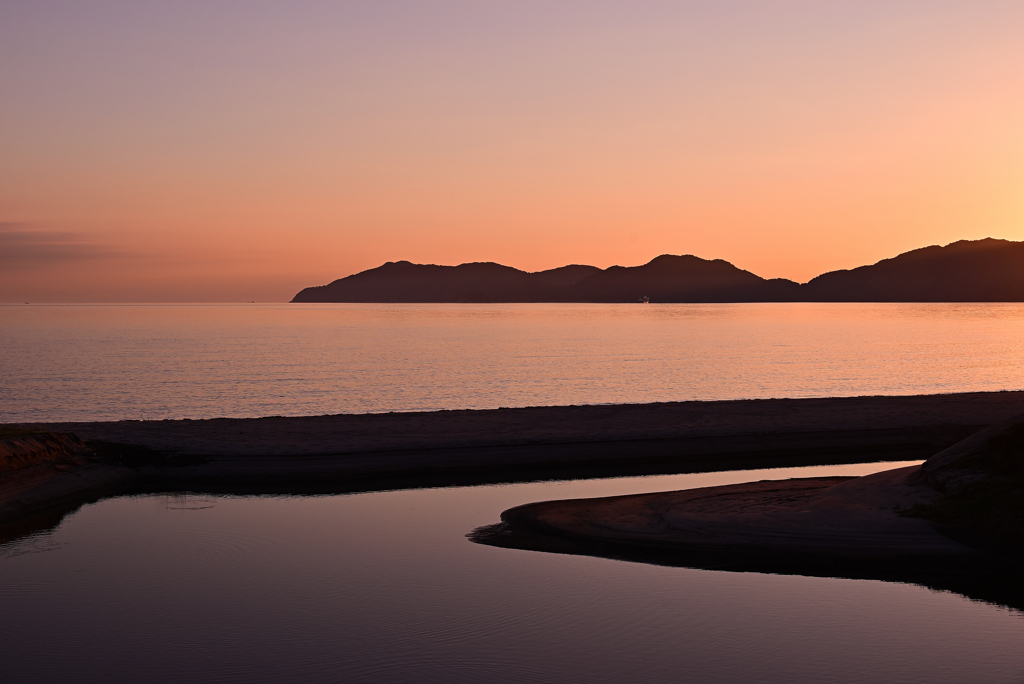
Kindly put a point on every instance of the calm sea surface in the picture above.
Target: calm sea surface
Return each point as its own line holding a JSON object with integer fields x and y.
{"x": 384, "y": 586}
{"x": 200, "y": 361}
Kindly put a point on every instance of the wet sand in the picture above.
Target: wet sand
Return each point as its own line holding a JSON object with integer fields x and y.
{"x": 952, "y": 522}
{"x": 846, "y": 517}
{"x": 821, "y": 527}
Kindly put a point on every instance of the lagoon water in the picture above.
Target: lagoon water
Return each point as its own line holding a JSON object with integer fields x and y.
{"x": 384, "y": 586}
{"x": 113, "y": 362}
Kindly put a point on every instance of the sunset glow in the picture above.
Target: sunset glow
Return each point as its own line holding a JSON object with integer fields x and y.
{"x": 242, "y": 151}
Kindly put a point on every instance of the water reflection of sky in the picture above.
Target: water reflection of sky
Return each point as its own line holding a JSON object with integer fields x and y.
{"x": 203, "y": 361}
{"x": 385, "y": 587}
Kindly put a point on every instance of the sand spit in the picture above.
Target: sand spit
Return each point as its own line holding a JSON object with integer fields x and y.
{"x": 952, "y": 522}
{"x": 347, "y": 453}
{"x": 855, "y": 517}
{"x": 925, "y": 417}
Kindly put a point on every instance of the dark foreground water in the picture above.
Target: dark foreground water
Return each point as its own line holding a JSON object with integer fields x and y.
{"x": 384, "y": 587}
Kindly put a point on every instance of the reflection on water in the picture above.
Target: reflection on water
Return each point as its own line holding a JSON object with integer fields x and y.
{"x": 385, "y": 587}
{"x": 202, "y": 361}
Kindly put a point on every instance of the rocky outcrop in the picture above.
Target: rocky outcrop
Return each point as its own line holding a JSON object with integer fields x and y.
{"x": 36, "y": 448}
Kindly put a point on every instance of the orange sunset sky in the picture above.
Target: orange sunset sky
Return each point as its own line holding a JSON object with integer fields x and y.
{"x": 230, "y": 151}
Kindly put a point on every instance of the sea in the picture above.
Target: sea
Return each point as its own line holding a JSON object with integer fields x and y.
{"x": 385, "y": 586}
{"x": 146, "y": 362}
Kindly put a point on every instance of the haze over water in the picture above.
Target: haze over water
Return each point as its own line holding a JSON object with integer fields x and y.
{"x": 113, "y": 362}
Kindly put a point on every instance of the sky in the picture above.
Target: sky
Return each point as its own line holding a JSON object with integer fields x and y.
{"x": 240, "y": 151}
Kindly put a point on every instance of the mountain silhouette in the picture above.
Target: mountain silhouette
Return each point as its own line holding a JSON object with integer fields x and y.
{"x": 986, "y": 270}
{"x": 402, "y": 281}
{"x": 687, "y": 278}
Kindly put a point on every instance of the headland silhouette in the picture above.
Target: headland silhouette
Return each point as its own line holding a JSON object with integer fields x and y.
{"x": 987, "y": 270}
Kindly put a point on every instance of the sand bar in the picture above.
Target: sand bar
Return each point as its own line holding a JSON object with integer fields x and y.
{"x": 348, "y": 453}
{"x": 372, "y": 433}
{"x": 956, "y": 521}
{"x": 843, "y": 517}
{"x": 412, "y": 449}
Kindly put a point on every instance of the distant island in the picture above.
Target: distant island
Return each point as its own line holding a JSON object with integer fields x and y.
{"x": 987, "y": 270}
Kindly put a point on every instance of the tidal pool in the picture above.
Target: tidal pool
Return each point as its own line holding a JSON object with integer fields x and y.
{"x": 385, "y": 587}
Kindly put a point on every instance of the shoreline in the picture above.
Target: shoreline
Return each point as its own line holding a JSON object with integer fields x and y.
{"x": 368, "y": 452}
{"x": 955, "y": 521}
{"x": 621, "y": 528}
